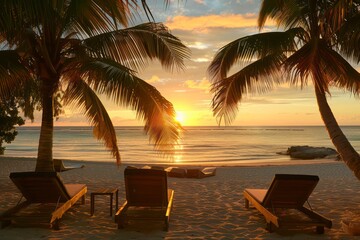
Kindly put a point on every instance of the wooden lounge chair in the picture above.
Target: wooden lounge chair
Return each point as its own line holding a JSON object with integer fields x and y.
{"x": 47, "y": 198}
{"x": 60, "y": 167}
{"x": 283, "y": 203}
{"x": 147, "y": 197}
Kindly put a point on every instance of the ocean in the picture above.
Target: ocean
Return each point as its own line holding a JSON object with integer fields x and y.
{"x": 221, "y": 146}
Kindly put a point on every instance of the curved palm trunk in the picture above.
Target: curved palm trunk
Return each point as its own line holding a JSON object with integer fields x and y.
{"x": 342, "y": 144}
{"x": 44, "y": 161}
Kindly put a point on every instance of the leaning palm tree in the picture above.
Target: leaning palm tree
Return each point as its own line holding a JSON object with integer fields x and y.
{"x": 73, "y": 51}
{"x": 316, "y": 36}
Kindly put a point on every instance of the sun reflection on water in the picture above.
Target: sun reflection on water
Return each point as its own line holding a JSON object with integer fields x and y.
{"x": 178, "y": 156}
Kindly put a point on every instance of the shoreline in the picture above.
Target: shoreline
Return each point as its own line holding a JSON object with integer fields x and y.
{"x": 248, "y": 163}
{"x": 209, "y": 208}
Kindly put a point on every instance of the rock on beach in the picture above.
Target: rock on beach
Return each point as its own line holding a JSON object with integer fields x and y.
{"x": 309, "y": 152}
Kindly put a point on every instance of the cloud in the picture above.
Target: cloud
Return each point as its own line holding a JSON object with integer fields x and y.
{"x": 198, "y": 45}
{"x": 154, "y": 79}
{"x": 202, "y": 23}
{"x": 298, "y": 99}
{"x": 201, "y": 60}
{"x": 202, "y": 2}
{"x": 203, "y": 84}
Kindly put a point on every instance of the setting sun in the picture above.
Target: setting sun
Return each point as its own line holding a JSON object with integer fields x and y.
{"x": 180, "y": 117}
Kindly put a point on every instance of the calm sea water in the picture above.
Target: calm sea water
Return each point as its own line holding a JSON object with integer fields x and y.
{"x": 199, "y": 145}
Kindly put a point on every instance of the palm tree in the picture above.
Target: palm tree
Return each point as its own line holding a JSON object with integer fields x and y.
{"x": 316, "y": 36}
{"x": 74, "y": 50}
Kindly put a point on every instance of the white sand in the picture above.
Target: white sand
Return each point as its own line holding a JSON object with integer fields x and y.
{"x": 210, "y": 208}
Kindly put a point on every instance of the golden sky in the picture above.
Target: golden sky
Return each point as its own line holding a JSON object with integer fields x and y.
{"x": 205, "y": 26}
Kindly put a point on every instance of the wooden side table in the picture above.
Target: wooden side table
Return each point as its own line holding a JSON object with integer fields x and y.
{"x": 105, "y": 191}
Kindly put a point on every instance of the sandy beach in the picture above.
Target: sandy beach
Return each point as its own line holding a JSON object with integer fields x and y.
{"x": 209, "y": 208}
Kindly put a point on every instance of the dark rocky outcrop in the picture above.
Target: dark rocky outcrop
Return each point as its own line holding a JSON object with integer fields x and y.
{"x": 308, "y": 152}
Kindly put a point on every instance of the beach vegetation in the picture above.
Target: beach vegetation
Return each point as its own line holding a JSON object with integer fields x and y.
{"x": 72, "y": 52}
{"x": 316, "y": 42}
{"x": 9, "y": 120}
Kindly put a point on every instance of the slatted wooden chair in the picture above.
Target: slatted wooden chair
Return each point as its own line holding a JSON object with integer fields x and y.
{"x": 283, "y": 203}
{"x": 147, "y": 197}
{"x": 47, "y": 198}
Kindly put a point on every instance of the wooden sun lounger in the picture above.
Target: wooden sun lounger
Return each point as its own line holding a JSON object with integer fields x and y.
{"x": 60, "y": 167}
{"x": 287, "y": 193}
{"x": 47, "y": 198}
{"x": 147, "y": 197}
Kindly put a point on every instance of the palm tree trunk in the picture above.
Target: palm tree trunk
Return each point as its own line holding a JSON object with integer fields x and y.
{"x": 44, "y": 161}
{"x": 341, "y": 143}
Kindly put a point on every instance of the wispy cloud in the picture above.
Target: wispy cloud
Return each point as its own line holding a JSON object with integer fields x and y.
{"x": 202, "y": 2}
{"x": 154, "y": 79}
{"x": 198, "y": 45}
{"x": 203, "y": 84}
{"x": 199, "y": 60}
{"x": 274, "y": 100}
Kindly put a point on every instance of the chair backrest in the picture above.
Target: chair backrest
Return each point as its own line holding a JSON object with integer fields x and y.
{"x": 40, "y": 187}
{"x": 146, "y": 187}
{"x": 289, "y": 190}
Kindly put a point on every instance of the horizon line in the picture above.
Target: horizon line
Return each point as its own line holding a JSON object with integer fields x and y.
{"x": 139, "y": 126}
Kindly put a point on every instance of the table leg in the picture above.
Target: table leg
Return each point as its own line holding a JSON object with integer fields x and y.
{"x": 92, "y": 204}
{"x": 117, "y": 199}
{"x": 111, "y": 203}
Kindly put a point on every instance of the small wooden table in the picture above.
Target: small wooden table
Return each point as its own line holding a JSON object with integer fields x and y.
{"x": 105, "y": 191}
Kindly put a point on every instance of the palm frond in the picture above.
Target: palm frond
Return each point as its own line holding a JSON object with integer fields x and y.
{"x": 329, "y": 67}
{"x": 30, "y": 13}
{"x": 119, "y": 83}
{"x": 28, "y": 98}
{"x": 300, "y": 63}
{"x": 259, "y": 76}
{"x": 147, "y": 9}
{"x": 253, "y": 46}
{"x": 337, "y": 14}
{"x": 8, "y": 27}
{"x": 269, "y": 9}
{"x": 92, "y": 17}
{"x": 12, "y": 73}
{"x": 17, "y": 17}
{"x": 15, "y": 80}
{"x": 159, "y": 116}
{"x": 287, "y": 13}
{"x": 19, "y": 10}
{"x": 348, "y": 38}
{"x": 81, "y": 95}
{"x": 87, "y": 17}
{"x": 133, "y": 46}
{"x": 338, "y": 71}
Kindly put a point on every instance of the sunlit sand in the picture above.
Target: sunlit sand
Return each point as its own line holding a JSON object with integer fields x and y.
{"x": 209, "y": 208}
